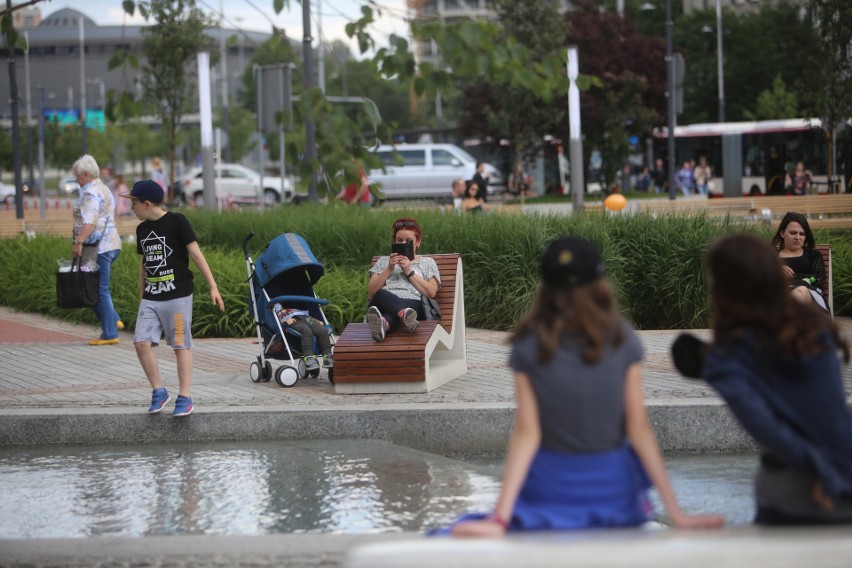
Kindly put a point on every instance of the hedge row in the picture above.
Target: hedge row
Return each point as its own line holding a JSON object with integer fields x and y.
{"x": 655, "y": 264}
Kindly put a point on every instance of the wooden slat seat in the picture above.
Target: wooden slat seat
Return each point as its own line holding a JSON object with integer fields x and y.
{"x": 822, "y": 211}
{"x": 828, "y": 293}
{"x": 408, "y": 362}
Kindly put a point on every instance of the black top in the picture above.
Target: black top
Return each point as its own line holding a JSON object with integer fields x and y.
{"x": 165, "y": 259}
{"x": 482, "y": 184}
{"x": 809, "y": 265}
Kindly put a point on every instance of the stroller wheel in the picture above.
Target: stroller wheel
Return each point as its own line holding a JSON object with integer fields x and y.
{"x": 302, "y": 369}
{"x": 331, "y": 375}
{"x": 267, "y": 372}
{"x": 256, "y": 372}
{"x": 286, "y": 376}
{"x": 314, "y": 373}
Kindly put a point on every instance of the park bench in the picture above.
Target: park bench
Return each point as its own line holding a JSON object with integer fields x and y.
{"x": 823, "y": 211}
{"x": 408, "y": 362}
{"x": 11, "y": 227}
{"x": 828, "y": 293}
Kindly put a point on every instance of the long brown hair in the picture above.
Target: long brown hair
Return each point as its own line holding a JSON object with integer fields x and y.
{"x": 749, "y": 294}
{"x": 589, "y": 311}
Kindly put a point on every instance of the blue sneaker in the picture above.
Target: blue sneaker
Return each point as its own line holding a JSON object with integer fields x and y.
{"x": 183, "y": 406}
{"x": 159, "y": 400}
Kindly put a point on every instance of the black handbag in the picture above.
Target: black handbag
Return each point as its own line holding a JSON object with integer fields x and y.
{"x": 76, "y": 288}
{"x": 429, "y": 307}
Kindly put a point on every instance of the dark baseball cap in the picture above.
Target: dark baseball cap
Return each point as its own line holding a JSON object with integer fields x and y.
{"x": 146, "y": 190}
{"x": 571, "y": 261}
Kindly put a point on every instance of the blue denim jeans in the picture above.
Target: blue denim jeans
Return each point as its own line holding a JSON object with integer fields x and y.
{"x": 104, "y": 308}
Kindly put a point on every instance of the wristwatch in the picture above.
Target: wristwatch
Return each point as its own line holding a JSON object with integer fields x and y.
{"x": 76, "y": 242}
{"x": 410, "y": 274}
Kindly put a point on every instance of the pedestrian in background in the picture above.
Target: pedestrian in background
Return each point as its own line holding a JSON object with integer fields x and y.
{"x": 96, "y": 241}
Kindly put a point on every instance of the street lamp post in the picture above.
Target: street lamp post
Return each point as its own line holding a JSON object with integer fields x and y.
{"x": 575, "y": 144}
{"x": 721, "y": 60}
{"x": 670, "y": 98}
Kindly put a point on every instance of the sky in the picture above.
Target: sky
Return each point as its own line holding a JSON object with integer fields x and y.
{"x": 258, "y": 15}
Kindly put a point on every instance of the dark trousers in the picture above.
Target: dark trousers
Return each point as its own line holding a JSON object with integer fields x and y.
{"x": 310, "y": 328}
{"x": 390, "y": 305}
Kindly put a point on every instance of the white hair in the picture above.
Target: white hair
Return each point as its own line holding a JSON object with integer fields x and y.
{"x": 86, "y": 165}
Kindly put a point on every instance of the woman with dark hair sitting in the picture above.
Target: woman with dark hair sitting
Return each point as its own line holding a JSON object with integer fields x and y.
{"x": 802, "y": 263}
{"x": 775, "y": 362}
{"x": 397, "y": 282}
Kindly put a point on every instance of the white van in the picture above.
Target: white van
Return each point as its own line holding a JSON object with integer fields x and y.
{"x": 427, "y": 170}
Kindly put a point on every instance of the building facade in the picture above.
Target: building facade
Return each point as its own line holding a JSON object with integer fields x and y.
{"x": 54, "y": 62}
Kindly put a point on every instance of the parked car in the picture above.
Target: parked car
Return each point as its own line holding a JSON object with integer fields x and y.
{"x": 69, "y": 186}
{"x": 7, "y": 193}
{"x": 238, "y": 183}
{"x": 427, "y": 170}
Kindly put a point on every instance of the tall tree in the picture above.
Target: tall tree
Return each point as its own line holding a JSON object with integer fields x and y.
{"x": 777, "y": 102}
{"x": 630, "y": 96}
{"x": 825, "y": 86}
{"x": 503, "y": 112}
{"x": 757, "y": 47}
{"x": 170, "y": 47}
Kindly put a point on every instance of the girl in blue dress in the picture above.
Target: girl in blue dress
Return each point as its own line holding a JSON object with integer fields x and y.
{"x": 582, "y": 453}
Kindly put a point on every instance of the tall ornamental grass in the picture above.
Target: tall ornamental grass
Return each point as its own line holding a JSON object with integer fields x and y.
{"x": 655, "y": 264}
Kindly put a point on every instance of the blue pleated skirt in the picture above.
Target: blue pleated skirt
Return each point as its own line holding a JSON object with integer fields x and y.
{"x": 579, "y": 491}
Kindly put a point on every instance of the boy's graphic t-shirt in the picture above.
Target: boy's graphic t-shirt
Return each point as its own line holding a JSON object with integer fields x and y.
{"x": 165, "y": 259}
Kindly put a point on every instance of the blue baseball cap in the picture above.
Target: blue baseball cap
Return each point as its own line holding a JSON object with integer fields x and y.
{"x": 146, "y": 190}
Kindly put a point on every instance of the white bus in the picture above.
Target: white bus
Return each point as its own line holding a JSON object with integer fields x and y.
{"x": 752, "y": 158}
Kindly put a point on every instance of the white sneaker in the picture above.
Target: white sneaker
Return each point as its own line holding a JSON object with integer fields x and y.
{"x": 377, "y": 323}
{"x": 409, "y": 317}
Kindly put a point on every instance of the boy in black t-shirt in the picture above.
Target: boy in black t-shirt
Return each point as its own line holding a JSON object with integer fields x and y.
{"x": 166, "y": 242}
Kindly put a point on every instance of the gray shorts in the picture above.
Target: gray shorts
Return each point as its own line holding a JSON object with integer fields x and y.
{"x": 172, "y": 318}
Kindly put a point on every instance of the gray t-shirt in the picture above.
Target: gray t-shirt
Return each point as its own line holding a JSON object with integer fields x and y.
{"x": 425, "y": 266}
{"x": 581, "y": 406}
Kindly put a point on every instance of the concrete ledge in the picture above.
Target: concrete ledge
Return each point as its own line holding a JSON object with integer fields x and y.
{"x": 305, "y": 550}
{"x": 696, "y": 426}
{"x": 735, "y": 547}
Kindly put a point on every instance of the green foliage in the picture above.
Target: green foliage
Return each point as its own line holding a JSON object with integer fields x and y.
{"x": 655, "y": 265}
{"x": 170, "y": 47}
{"x": 776, "y": 103}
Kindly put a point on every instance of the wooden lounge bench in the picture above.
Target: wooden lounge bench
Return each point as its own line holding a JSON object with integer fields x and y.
{"x": 828, "y": 294}
{"x": 408, "y": 362}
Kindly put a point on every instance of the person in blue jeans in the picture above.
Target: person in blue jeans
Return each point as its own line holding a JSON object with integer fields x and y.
{"x": 684, "y": 179}
{"x": 96, "y": 241}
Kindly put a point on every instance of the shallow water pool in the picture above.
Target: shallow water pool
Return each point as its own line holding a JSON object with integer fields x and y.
{"x": 251, "y": 488}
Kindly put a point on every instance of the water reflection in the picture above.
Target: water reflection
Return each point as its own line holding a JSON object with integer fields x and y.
{"x": 298, "y": 487}
{"x": 254, "y": 487}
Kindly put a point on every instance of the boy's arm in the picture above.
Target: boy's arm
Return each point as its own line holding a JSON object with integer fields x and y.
{"x": 141, "y": 278}
{"x": 198, "y": 258}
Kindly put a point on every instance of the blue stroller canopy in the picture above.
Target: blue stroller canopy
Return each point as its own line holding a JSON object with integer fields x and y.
{"x": 285, "y": 252}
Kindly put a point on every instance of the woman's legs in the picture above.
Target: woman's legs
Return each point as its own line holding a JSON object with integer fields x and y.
{"x": 390, "y": 305}
{"x": 104, "y": 308}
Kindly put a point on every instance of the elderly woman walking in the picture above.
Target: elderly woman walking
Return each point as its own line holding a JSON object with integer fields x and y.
{"x": 96, "y": 240}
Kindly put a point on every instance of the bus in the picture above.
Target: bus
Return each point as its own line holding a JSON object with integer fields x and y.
{"x": 753, "y": 158}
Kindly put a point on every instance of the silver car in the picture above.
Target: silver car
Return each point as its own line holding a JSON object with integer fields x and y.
{"x": 7, "y": 193}
{"x": 427, "y": 170}
{"x": 237, "y": 184}
{"x": 69, "y": 186}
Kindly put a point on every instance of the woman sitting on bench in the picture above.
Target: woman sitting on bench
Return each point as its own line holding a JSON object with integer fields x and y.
{"x": 398, "y": 280}
{"x": 803, "y": 265}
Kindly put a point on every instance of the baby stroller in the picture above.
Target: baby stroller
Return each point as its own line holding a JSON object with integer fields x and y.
{"x": 284, "y": 275}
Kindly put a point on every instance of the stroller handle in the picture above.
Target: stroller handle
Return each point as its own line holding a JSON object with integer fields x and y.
{"x": 245, "y": 242}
